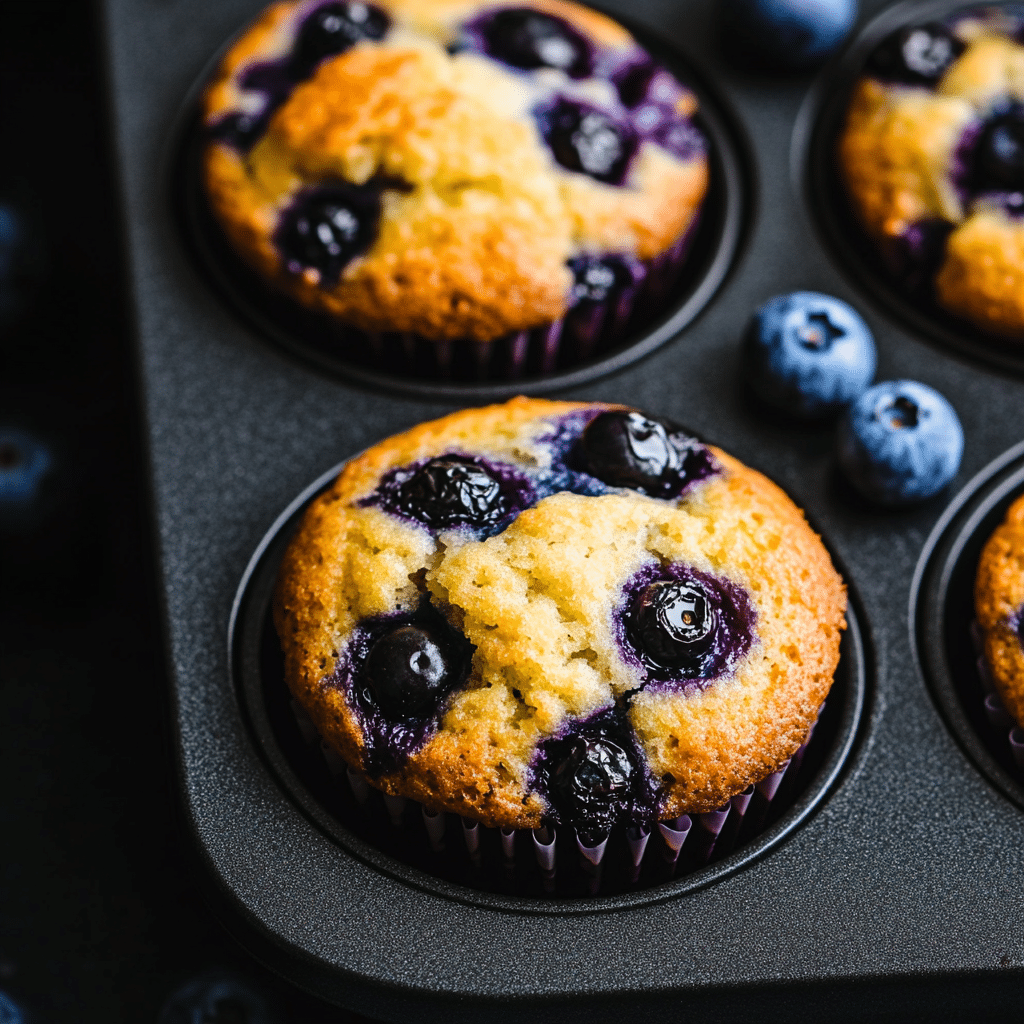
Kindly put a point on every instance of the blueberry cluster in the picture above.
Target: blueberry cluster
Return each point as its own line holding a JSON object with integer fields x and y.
{"x": 329, "y": 29}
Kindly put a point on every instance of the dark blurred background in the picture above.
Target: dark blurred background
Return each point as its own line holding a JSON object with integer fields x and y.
{"x": 100, "y": 915}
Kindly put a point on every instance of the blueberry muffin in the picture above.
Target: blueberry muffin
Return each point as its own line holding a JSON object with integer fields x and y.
{"x": 558, "y": 613}
{"x": 933, "y": 159}
{"x": 507, "y": 178}
{"x": 999, "y": 604}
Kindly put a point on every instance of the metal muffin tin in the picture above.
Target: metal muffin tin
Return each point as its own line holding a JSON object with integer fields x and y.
{"x": 899, "y": 897}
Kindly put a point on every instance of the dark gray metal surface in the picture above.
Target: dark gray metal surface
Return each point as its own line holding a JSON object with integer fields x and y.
{"x": 912, "y": 869}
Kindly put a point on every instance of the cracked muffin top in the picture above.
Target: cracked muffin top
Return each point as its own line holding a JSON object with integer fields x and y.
{"x": 933, "y": 159}
{"x": 448, "y": 169}
{"x": 550, "y": 612}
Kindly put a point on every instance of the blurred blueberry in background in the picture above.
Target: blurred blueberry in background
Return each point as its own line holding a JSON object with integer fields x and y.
{"x": 808, "y": 354}
{"x": 784, "y": 35}
{"x": 217, "y": 998}
{"x": 26, "y": 463}
{"x": 9, "y": 1011}
{"x": 22, "y": 260}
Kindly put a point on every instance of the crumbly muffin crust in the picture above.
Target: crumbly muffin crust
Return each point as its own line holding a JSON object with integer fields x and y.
{"x": 470, "y": 220}
{"x": 999, "y": 603}
{"x": 545, "y": 602}
{"x": 910, "y": 154}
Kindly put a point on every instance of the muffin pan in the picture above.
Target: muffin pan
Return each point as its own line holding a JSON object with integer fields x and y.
{"x": 823, "y": 119}
{"x": 879, "y": 901}
{"x": 715, "y": 242}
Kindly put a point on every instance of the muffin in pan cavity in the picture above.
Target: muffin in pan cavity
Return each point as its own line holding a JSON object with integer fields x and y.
{"x": 931, "y": 156}
{"x": 446, "y": 190}
{"x": 560, "y": 619}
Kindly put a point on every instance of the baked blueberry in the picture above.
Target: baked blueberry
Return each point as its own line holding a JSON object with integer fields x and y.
{"x": 523, "y": 37}
{"x": 915, "y": 54}
{"x": 407, "y": 672}
{"x": 451, "y": 491}
{"x": 628, "y": 449}
{"x": 784, "y": 34}
{"x": 591, "y": 783}
{"x": 808, "y": 354}
{"x": 999, "y": 158}
{"x": 674, "y": 623}
{"x": 585, "y": 139}
{"x": 326, "y": 228}
{"x": 596, "y": 277}
{"x": 331, "y": 29}
{"x": 900, "y": 443}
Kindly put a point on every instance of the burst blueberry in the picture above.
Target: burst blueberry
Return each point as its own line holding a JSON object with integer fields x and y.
{"x": 407, "y": 672}
{"x": 587, "y": 140}
{"x": 784, "y": 34}
{"x": 591, "y": 784}
{"x": 915, "y": 54}
{"x": 999, "y": 158}
{"x": 628, "y": 449}
{"x": 450, "y": 491}
{"x": 808, "y": 354}
{"x": 326, "y": 228}
{"x": 900, "y": 443}
{"x": 674, "y": 623}
{"x": 523, "y": 37}
{"x": 331, "y": 29}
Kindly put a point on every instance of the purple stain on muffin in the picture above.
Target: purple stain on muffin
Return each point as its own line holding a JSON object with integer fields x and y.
{"x": 594, "y": 776}
{"x": 528, "y": 39}
{"x": 397, "y": 672}
{"x": 329, "y": 29}
{"x": 455, "y": 491}
{"x": 916, "y": 255}
{"x": 588, "y": 140}
{"x": 682, "y": 627}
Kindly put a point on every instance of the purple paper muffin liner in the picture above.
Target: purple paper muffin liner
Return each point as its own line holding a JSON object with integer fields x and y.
{"x": 667, "y": 849}
{"x": 642, "y": 292}
{"x": 1001, "y": 721}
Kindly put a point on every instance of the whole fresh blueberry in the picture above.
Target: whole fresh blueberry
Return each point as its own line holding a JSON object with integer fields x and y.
{"x": 325, "y": 228}
{"x": 900, "y": 443}
{"x": 10, "y": 1012}
{"x": 915, "y": 54}
{"x": 217, "y": 998}
{"x": 526, "y": 38}
{"x": 808, "y": 354}
{"x": 591, "y": 783}
{"x": 331, "y": 29}
{"x": 407, "y": 672}
{"x": 673, "y": 623}
{"x": 784, "y": 34}
{"x": 451, "y": 491}
{"x": 999, "y": 158}
{"x": 25, "y": 464}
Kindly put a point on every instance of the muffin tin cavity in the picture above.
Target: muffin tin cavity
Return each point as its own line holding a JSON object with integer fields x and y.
{"x": 947, "y": 640}
{"x": 553, "y": 870}
{"x": 911, "y": 47}
{"x": 396, "y": 672}
{"x": 683, "y": 628}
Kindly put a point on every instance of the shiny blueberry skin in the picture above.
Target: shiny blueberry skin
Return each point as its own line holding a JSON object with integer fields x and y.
{"x": 590, "y": 783}
{"x": 900, "y": 443}
{"x": 808, "y": 354}
{"x": 597, "y": 278}
{"x": 450, "y": 491}
{"x": 999, "y": 157}
{"x": 674, "y": 623}
{"x": 915, "y": 54}
{"x": 407, "y": 672}
{"x": 331, "y": 29}
{"x": 627, "y": 449}
{"x": 10, "y": 1012}
{"x": 587, "y": 140}
{"x": 789, "y": 35}
{"x": 217, "y": 998}
{"x": 523, "y": 37}
{"x": 326, "y": 228}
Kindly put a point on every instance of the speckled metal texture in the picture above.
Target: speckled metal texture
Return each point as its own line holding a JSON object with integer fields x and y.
{"x": 899, "y": 899}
